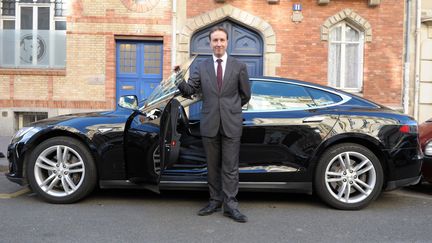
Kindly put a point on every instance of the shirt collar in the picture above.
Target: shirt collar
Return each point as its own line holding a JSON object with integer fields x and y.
{"x": 224, "y": 58}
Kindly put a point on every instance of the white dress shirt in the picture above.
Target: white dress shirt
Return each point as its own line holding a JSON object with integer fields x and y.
{"x": 224, "y": 61}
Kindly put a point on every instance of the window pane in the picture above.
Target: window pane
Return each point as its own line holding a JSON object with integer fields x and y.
{"x": 8, "y": 8}
{"x": 41, "y": 50}
{"x": 152, "y": 48}
{"x": 351, "y": 34}
{"x": 60, "y": 25}
{"x": 60, "y": 8}
{"x": 26, "y": 47}
{"x": 278, "y": 96}
{"x": 43, "y": 42}
{"x": 59, "y": 48}
{"x": 335, "y": 33}
{"x": 26, "y": 18}
{"x": 128, "y": 58}
{"x": 43, "y": 18}
{"x": 152, "y": 59}
{"x": 322, "y": 98}
{"x": 7, "y": 54}
{"x": 8, "y": 24}
{"x": 351, "y": 66}
{"x": 334, "y": 64}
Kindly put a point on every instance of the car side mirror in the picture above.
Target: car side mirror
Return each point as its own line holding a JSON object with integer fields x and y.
{"x": 128, "y": 102}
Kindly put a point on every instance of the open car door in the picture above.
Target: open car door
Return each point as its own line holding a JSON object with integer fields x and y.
{"x": 169, "y": 140}
{"x": 151, "y": 140}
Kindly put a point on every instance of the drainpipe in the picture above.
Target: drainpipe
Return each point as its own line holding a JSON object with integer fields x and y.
{"x": 407, "y": 59}
{"x": 417, "y": 59}
{"x": 174, "y": 35}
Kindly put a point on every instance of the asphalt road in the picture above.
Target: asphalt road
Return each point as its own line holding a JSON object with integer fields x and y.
{"x": 141, "y": 216}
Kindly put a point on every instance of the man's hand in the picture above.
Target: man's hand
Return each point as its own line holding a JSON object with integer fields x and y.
{"x": 176, "y": 68}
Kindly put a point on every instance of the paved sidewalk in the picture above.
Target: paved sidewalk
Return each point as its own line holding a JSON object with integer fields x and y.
{"x": 4, "y": 142}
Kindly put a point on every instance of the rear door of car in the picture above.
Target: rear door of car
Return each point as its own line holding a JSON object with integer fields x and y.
{"x": 283, "y": 126}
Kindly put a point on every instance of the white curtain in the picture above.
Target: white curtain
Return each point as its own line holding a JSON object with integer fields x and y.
{"x": 344, "y": 57}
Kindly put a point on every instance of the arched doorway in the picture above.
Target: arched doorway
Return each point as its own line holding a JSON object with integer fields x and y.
{"x": 244, "y": 44}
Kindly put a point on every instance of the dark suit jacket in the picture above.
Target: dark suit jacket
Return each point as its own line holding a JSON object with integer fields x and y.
{"x": 224, "y": 106}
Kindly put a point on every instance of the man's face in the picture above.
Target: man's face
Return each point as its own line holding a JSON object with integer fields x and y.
{"x": 219, "y": 43}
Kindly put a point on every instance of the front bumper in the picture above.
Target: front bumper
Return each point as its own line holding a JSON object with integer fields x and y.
{"x": 16, "y": 164}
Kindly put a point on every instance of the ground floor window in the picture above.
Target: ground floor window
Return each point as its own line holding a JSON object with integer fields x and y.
{"x": 23, "y": 119}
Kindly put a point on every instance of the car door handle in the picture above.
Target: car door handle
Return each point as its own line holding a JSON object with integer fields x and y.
{"x": 313, "y": 119}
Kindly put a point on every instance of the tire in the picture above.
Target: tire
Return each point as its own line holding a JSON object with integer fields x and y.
{"x": 61, "y": 181}
{"x": 348, "y": 186}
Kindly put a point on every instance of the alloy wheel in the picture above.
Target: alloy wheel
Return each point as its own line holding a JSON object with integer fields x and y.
{"x": 350, "y": 177}
{"x": 59, "y": 170}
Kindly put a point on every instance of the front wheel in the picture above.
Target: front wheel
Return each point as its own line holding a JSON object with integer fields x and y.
{"x": 61, "y": 170}
{"x": 348, "y": 176}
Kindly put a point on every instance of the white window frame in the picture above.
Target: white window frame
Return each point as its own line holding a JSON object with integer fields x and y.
{"x": 35, "y": 7}
{"x": 343, "y": 60}
{"x": 17, "y": 18}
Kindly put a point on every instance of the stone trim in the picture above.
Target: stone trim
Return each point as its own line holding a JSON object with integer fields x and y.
{"x": 272, "y": 59}
{"x": 371, "y": 3}
{"x": 351, "y": 17}
{"x": 426, "y": 16}
{"x": 322, "y": 2}
{"x": 39, "y": 72}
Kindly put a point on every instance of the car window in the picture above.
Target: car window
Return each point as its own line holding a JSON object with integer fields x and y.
{"x": 323, "y": 98}
{"x": 278, "y": 96}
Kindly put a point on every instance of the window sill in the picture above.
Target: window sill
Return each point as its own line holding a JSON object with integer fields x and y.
{"x": 30, "y": 71}
{"x": 358, "y": 93}
{"x": 352, "y": 91}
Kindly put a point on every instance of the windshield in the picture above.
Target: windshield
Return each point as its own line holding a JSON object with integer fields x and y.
{"x": 168, "y": 87}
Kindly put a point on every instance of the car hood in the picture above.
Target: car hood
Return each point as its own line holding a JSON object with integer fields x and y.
{"x": 119, "y": 115}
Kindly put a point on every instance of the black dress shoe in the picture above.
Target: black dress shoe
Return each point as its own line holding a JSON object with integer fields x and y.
{"x": 209, "y": 209}
{"x": 236, "y": 215}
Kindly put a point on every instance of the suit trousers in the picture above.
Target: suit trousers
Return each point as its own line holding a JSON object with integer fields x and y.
{"x": 222, "y": 155}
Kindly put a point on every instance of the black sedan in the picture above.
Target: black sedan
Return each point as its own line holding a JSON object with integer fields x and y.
{"x": 297, "y": 137}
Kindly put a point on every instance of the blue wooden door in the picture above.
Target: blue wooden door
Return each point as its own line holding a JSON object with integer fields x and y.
{"x": 139, "y": 68}
{"x": 243, "y": 44}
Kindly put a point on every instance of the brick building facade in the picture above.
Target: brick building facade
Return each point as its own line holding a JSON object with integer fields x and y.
{"x": 300, "y": 39}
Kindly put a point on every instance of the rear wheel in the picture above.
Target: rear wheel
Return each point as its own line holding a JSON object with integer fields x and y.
{"x": 61, "y": 170}
{"x": 349, "y": 176}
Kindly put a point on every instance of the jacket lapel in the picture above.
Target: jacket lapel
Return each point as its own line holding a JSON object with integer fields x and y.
{"x": 228, "y": 72}
{"x": 211, "y": 72}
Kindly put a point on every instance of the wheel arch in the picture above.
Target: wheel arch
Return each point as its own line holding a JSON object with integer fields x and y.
{"x": 364, "y": 140}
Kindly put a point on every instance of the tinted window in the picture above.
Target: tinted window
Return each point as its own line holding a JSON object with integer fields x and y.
{"x": 278, "y": 96}
{"x": 322, "y": 98}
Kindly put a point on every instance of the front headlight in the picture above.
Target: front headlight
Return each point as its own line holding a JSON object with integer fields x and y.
{"x": 22, "y": 132}
{"x": 428, "y": 149}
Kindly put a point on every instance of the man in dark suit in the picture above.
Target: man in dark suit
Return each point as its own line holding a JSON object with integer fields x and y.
{"x": 223, "y": 82}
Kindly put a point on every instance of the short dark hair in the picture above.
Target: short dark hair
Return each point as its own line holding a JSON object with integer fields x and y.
{"x": 218, "y": 28}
